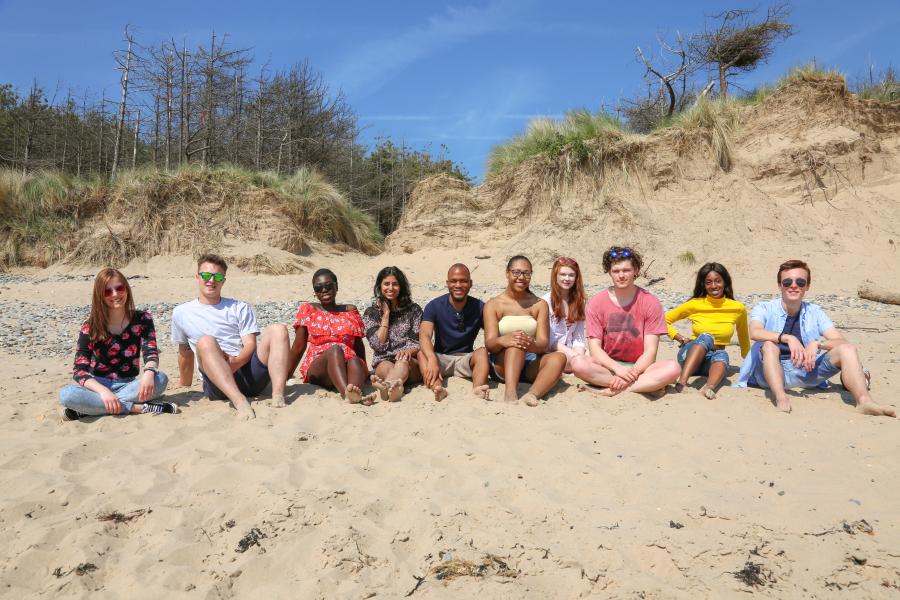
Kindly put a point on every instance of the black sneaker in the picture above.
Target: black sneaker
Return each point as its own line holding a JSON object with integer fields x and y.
{"x": 160, "y": 408}
{"x": 69, "y": 414}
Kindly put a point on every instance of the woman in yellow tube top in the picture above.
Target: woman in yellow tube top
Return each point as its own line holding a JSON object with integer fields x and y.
{"x": 516, "y": 334}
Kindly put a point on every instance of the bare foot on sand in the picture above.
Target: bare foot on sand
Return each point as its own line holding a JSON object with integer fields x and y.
{"x": 482, "y": 392}
{"x": 608, "y": 392}
{"x": 655, "y": 394}
{"x": 277, "y": 401}
{"x": 708, "y": 392}
{"x": 440, "y": 392}
{"x": 244, "y": 411}
{"x": 369, "y": 399}
{"x": 353, "y": 394}
{"x": 876, "y": 410}
{"x": 584, "y": 387}
{"x": 530, "y": 399}
{"x": 394, "y": 390}
{"x": 679, "y": 387}
{"x": 381, "y": 386}
{"x": 784, "y": 406}
{"x": 510, "y": 393}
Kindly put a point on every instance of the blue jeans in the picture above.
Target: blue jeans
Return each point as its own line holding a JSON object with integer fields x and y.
{"x": 795, "y": 377}
{"x": 86, "y": 402}
{"x": 712, "y": 355}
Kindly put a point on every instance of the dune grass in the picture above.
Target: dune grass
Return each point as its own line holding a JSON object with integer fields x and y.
{"x": 805, "y": 72}
{"x": 46, "y": 217}
{"x": 713, "y": 120}
{"x": 550, "y": 137}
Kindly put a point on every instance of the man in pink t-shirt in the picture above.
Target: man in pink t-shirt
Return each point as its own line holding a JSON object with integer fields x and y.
{"x": 624, "y": 323}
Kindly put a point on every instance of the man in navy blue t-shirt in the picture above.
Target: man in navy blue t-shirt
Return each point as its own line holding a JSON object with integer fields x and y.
{"x": 454, "y": 321}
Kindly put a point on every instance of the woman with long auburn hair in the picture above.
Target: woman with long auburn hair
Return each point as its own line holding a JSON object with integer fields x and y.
{"x": 566, "y": 300}
{"x": 108, "y": 357}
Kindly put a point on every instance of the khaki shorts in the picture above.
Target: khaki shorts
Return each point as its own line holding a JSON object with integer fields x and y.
{"x": 455, "y": 365}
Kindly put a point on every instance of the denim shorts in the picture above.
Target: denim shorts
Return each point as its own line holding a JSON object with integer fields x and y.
{"x": 251, "y": 380}
{"x": 796, "y": 377}
{"x": 712, "y": 355}
{"x": 530, "y": 357}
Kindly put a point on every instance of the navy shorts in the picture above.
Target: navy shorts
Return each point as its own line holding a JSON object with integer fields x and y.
{"x": 530, "y": 357}
{"x": 251, "y": 379}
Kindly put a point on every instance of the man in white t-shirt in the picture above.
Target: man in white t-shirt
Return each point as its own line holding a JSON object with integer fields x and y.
{"x": 222, "y": 332}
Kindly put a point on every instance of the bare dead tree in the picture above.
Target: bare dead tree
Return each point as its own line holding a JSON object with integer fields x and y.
{"x": 736, "y": 43}
{"x": 120, "y": 123}
{"x": 680, "y": 69}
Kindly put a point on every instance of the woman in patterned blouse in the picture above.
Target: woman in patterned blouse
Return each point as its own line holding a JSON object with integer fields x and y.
{"x": 331, "y": 336}
{"x": 107, "y": 358}
{"x": 392, "y": 328}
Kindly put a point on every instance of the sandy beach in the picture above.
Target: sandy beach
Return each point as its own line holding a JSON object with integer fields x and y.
{"x": 580, "y": 497}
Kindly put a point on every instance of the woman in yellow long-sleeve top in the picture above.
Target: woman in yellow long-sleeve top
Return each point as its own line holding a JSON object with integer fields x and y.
{"x": 714, "y": 314}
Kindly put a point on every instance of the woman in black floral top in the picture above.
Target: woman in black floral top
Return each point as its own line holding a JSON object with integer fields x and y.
{"x": 108, "y": 357}
{"x": 392, "y": 328}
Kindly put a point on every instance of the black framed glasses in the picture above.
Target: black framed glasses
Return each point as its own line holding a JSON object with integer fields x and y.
{"x": 788, "y": 282}
{"x": 516, "y": 273}
{"x": 206, "y": 276}
{"x": 325, "y": 286}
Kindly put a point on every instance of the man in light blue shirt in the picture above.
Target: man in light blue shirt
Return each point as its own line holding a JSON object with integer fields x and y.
{"x": 789, "y": 334}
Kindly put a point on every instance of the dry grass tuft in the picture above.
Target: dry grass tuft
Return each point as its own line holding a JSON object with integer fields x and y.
{"x": 460, "y": 567}
{"x": 266, "y": 265}
{"x": 47, "y": 217}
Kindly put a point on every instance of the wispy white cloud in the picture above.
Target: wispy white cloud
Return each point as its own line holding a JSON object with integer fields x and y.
{"x": 373, "y": 64}
{"x": 529, "y": 117}
{"x": 401, "y": 117}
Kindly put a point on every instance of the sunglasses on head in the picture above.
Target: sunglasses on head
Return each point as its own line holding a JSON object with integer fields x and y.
{"x": 118, "y": 289}
{"x": 620, "y": 253}
{"x": 325, "y": 286}
{"x": 788, "y": 282}
{"x": 206, "y": 276}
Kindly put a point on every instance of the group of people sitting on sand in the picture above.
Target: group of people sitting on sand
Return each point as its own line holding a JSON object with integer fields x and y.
{"x": 610, "y": 342}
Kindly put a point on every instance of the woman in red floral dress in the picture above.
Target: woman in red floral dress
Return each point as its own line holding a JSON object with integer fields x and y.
{"x": 108, "y": 357}
{"x": 331, "y": 335}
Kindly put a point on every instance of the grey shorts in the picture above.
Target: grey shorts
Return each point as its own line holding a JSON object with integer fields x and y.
{"x": 455, "y": 365}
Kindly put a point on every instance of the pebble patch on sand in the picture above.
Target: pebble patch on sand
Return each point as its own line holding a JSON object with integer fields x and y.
{"x": 51, "y": 330}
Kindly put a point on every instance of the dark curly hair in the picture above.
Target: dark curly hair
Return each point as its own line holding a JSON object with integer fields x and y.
{"x": 404, "y": 298}
{"x": 620, "y": 253}
{"x": 700, "y": 283}
{"x": 322, "y": 272}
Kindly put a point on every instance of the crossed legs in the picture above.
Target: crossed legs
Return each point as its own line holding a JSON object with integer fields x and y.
{"x": 653, "y": 380}
{"x": 390, "y": 376}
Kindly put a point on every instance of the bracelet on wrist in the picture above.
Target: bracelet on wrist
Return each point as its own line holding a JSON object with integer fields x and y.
{"x": 151, "y": 369}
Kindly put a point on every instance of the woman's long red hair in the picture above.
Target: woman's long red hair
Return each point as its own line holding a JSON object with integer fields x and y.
{"x": 98, "y": 322}
{"x": 576, "y": 299}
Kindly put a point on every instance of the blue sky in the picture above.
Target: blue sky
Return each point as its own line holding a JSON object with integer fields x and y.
{"x": 465, "y": 74}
